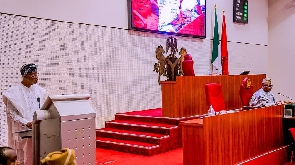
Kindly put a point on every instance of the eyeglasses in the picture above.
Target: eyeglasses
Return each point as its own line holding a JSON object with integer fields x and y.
{"x": 268, "y": 86}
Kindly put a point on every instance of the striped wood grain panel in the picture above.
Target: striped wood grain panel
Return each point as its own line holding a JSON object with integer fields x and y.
{"x": 232, "y": 138}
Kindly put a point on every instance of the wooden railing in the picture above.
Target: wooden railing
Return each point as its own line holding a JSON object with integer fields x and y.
{"x": 186, "y": 96}
{"x": 232, "y": 138}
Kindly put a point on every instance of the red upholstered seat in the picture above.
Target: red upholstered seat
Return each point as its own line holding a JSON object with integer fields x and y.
{"x": 188, "y": 66}
{"x": 214, "y": 96}
{"x": 246, "y": 91}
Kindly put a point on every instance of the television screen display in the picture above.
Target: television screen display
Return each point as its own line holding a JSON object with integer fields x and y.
{"x": 185, "y": 17}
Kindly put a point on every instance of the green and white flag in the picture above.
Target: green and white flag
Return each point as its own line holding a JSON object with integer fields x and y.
{"x": 216, "y": 60}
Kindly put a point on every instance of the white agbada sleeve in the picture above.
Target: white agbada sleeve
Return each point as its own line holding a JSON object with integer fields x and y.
{"x": 13, "y": 112}
{"x": 21, "y": 103}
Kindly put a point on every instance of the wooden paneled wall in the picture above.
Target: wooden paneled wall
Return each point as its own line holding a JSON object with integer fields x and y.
{"x": 232, "y": 138}
{"x": 186, "y": 96}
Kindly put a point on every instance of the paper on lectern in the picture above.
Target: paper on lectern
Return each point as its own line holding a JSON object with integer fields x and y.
{"x": 42, "y": 115}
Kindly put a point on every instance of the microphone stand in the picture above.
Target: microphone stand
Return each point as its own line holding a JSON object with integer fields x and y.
{"x": 286, "y": 97}
{"x": 38, "y": 99}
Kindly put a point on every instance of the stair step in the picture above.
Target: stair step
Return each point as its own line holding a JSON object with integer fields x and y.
{"x": 131, "y": 133}
{"x": 146, "y": 137}
{"x": 144, "y": 132}
{"x": 157, "y": 112}
{"x": 141, "y": 126}
{"x": 147, "y": 119}
{"x": 144, "y": 124}
{"x": 128, "y": 146}
{"x": 127, "y": 143}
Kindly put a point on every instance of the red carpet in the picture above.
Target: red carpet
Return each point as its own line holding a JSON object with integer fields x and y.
{"x": 150, "y": 112}
{"x": 143, "y": 132}
{"x": 132, "y": 135}
{"x": 111, "y": 157}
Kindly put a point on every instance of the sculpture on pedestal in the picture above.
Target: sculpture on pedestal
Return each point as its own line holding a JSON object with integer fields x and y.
{"x": 169, "y": 66}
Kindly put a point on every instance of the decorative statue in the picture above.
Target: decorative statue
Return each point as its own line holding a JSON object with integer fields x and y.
{"x": 182, "y": 53}
{"x": 160, "y": 66}
{"x": 172, "y": 61}
{"x": 171, "y": 43}
{"x": 169, "y": 66}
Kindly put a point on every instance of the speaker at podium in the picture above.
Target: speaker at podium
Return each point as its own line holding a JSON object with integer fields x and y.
{"x": 65, "y": 121}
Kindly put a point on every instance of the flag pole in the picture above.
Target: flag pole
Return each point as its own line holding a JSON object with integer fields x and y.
{"x": 224, "y": 51}
{"x": 223, "y": 14}
{"x": 215, "y": 60}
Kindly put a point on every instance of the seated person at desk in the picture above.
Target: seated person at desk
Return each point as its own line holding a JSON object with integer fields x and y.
{"x": 22, "y": 100}
{"x": 263, "y": 97}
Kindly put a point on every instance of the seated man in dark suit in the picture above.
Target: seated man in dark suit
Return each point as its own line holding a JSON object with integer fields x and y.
{"x": 263, "y": 97}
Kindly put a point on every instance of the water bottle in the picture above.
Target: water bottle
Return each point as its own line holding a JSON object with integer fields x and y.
{"x": 211, "y": 111}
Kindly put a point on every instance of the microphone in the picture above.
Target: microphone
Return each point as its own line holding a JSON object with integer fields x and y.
{"x": 285, "y": 96}
{"x": 38, "y": 99}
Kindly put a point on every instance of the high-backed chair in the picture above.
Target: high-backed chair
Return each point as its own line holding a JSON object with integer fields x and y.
{"x": 246, "y": 92}
{"x": 292, "y": 131}
{"x": 188, "y": 66}
{"x": 214, "y": 96}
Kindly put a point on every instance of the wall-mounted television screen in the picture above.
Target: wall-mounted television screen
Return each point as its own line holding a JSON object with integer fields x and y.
{"x": 184, "y": 17}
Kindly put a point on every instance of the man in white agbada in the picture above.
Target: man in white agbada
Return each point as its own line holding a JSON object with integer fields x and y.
{"x": 21, "y": 101}
{"x": 263, "y": 97}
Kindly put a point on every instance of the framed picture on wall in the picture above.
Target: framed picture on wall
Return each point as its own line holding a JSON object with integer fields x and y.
{"x": 183, "y": 17}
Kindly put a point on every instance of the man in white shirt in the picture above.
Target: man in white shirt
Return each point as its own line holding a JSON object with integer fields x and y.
{"x": 263, "y": 97}
{"x": 22, "y": 100}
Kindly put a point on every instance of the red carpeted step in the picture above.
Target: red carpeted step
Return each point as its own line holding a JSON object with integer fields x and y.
{"x": 132, "y": 133}
{"x": 126, "y": 142}
{"x": 146, "y": 137}
{"x": 141, "y": 126}
{"x": 149, "y": 119}
{"x": 142, "y": 123}
{"x": 128, "y": 146}
{"x": 157, "y": 112}
{"x": 141, "y": 132}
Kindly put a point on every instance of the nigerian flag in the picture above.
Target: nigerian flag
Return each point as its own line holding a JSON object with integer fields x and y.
{"x": 216, "y": 61}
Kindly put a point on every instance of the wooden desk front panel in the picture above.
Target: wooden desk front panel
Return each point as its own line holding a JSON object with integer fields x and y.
{"x": 232, "y": 138}
{"x": 287, "y": 124}
{"x": 188, "y": 93}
